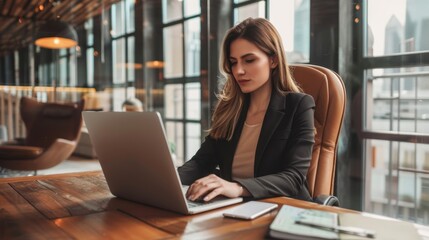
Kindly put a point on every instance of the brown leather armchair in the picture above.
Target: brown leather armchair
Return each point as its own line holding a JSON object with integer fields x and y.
{"x": 328, "y": 91}
{"x": 52, "y": 133}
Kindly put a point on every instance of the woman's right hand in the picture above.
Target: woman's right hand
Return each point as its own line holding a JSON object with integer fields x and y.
{"x": 211, "y": 186}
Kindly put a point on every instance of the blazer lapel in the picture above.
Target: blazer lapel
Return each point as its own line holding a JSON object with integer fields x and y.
{"x": 272, "y": 119}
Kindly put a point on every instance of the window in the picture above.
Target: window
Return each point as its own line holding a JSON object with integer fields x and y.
{"x": 401, "y": 27}
{"x": 292, "y": 20}
{"x": 256, "y": 9}
{"x": 63, "y": 68}
{"x": 89, "y": 52}
{"x": 173, "y": 45}
{"x": 123, "y": 54}
{"x": 16, "y": 67}
{"x": 396, "y": 128}
{"x": 182, "y": 88}
{"x": 246, "y": 9}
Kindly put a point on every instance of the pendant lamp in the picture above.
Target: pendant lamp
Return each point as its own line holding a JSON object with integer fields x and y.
{"x": 56, "y": 35}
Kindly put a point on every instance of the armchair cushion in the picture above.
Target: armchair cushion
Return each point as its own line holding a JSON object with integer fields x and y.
{"x": 11, "y": 152}
{"x": 328, "y": 91}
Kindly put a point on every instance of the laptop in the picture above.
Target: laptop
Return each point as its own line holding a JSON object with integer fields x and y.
{"x": 136, "y": 161}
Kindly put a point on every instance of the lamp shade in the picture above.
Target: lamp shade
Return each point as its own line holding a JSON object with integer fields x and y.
{"x": 56, "y": 35}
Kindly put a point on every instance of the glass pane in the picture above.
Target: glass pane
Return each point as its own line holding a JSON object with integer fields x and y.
{"x": 173, "y": 51}
{"x": 380, "y": 153}
{"x": 173, "y": 99}
{"x": 90, "y": 67}
{"x": 193, "y": 139}
{"x": 193, "y": 101}
{"x": 381, "y": 115}
{"x": 395, "y": 115}
{"x": 292, "y": 20}
{"x": 172, "y": 10}
{"x": 407, "y": 115}
{"x": 72, "y": 70}
{"x": 397, "y": 190}
{"x": 381, "y": 88}
{"x": 400, "y": 99}
{"x": 251, "y": 10}
{"x": 118, "y": 60}
{"x": 89, "y": 32}
{"x": 192, "y": 47}
{"x": 406, "y": 196}
{"x": 240, "y": 1}
{"x": 63, "y": 72}
{"x": 399, "y": 28}
{"x": 131, "y": 92}
{"x": 422, "y": 208}
{"x": 382, "y": 178}
{"x": 52, "y": 73}
{"x": 129, "y": 11}
{"x": 16, "y": 67}
{"x": 422, "y": 116}
{"x": 384, "y": 115}
{"x": 118, "y": 97}
{"x": 118, "y": 19}
{"x": 377, "y": 176}
{"x": 131, "y": 65}
{"x": 192, "y": 7}
{"x": 174, "y": 132}
{"x": 40, "y": 77}
{"x": 63, "y": 52}
{"x": 407, "y": 153}
{"x": 422, "y": 161}
{"x": 422, "y": 82}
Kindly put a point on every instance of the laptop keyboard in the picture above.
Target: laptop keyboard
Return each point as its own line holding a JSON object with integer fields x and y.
{"x": 192, "y": 204}
{"x": 197, "y": 203}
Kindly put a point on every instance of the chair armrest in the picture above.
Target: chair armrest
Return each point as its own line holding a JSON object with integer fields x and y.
{"x": 328, "y": 200}
{"x": 19, "y": 141}
{"x": 17, "y": 152}
{"x": 15, "y": 142}
{"x": 61, "y": 149}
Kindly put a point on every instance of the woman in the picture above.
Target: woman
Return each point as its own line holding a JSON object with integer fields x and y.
{"x": 262, "y": 134}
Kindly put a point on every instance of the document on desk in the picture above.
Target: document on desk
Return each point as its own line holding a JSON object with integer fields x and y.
{"x": 302, "y": 224}
{"x": 385, "y": 228}
{"x": 285, "y": 224}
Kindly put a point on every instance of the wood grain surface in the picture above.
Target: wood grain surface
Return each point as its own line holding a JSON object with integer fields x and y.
{"x": 80, "y": 206}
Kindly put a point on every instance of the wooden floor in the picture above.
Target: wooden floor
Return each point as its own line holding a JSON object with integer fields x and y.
{"x": 73, "y": 164}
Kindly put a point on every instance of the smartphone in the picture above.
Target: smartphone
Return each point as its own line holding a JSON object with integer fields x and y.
{"x": 250, "y": 210}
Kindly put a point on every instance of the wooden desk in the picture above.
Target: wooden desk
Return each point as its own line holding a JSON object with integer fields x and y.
{"x": 80, "y": 206}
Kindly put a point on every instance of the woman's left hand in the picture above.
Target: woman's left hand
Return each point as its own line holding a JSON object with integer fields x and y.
{"x": 211, "y": 186}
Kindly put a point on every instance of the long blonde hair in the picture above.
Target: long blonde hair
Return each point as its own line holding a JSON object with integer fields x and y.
{"x": 263, "y": 34}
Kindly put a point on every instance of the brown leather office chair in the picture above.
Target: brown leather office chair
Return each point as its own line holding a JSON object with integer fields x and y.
{"x": 52, "y": 133}
{"x": 328, "y": 91}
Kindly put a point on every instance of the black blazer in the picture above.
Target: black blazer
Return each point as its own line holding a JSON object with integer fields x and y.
{"x": 283, "y": 152}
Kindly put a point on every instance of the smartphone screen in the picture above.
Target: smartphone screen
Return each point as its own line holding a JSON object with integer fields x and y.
{"x": 250, "y": 210}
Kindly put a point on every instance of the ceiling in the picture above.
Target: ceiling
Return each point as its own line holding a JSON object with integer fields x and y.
{"x": 19, "y": 19}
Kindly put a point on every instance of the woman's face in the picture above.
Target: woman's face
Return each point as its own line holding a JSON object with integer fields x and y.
{"x": 250, "y": 66}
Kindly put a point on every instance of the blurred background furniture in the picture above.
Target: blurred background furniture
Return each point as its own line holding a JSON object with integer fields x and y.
{"x": 84, "y": 146}
{"x": 132, "y": 105}
{"x": 53, "y": 130}
{"x": 328, "y": 91}
{"x": 3, "y": 133}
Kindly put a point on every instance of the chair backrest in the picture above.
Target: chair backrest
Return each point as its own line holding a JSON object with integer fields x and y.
{"x": 46, "y": 122}
{"x": 329, "y": 93}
